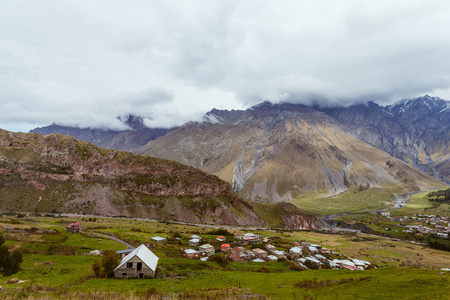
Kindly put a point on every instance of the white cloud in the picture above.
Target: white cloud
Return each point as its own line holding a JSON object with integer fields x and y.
{"x": 85, "y": 64}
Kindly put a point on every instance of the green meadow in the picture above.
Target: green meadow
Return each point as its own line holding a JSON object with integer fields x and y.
{"x": 55, "y": 265}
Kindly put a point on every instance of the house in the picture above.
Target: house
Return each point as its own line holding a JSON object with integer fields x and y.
{"x": 295, "y": 252}
{"x": 320, "y": 257}
{"x": 258, "y": 260}
{"x": 194, "y": 242}
{"x": 279, "y": 253}
{"x": 236, "y": 258}
{"x": 259, "y": 253}
{"x": 74, "y": 228}
{"x": 206, "y": 248}
{"x": 238, "y": 251}
{"x": 190, "y": 253}
{"x": 313, "y": 260}
{"x": 194, "y": 236}
{"x": 221, "y": 238}
{"x": 361, "y": 264}
{"x": 224, "y": 247}
{"x": 125, "y": 252}
{"x": 325, "y": 251}
{"x": 158, "y": 239}
{"x": 312, "y": 250}
{"x": 272, "y": 258}
{"x": 250, "y": 238}
{"x": 270, "y": 248}
{"x": 139, "y": 263}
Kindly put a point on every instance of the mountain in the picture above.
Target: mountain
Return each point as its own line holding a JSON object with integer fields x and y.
{"x": 127, "y": 140}
{"x": 284, "y": 152}
{"x": 416, "y": 131}
{"x": 57, "y": 173}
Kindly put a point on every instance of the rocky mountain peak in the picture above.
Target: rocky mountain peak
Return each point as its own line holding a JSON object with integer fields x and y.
{"x": 425, "y": 104}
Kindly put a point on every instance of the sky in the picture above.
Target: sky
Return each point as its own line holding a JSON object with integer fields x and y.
{"x": 89, "y": 63}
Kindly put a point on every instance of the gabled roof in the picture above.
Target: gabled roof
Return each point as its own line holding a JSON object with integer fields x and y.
{"x": 144, "y": 254}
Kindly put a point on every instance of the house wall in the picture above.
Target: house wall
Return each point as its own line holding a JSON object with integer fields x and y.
{"x": 132, "y": 272}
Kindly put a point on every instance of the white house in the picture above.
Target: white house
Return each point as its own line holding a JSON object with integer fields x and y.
{"x": 140, "y": 263}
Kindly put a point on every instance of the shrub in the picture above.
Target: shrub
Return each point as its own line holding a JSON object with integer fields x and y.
{"x": 110, "y": 260}
{"x": 97, "y": 268}
{"x": 9, "y": 262}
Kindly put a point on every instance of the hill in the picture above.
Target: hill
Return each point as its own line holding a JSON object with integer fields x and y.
{"x": 57, "y": 173}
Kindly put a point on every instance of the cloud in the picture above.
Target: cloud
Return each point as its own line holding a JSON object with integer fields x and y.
{"x": 85, "y": 64}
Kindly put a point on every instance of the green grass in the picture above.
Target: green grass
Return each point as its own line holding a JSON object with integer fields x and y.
{"x": 62, "y": 274}
{"x": 350, "y": 201}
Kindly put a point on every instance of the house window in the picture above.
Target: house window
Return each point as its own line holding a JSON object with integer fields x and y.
{"x": 139, "y": 266}
{"x": 124, "y": 274}
{"x": 129, "y": 265}
{"x": 141, "y": 275}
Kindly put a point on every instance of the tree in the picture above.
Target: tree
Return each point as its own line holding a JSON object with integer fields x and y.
{"x": 9, "y": 262}
{"x": 110, "y": 260}
{"x": 97, "y": 267}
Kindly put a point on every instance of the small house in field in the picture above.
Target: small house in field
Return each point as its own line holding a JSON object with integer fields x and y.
{"x": 194, "y": 236}
{"x": 236, "y": 258}
{"x": 279, "y": 254}
{"x": 225, "y": 248}
{"x": 74, "y": 228}
{"x": 190, "y": 253}
{"x": 221, "y": 238}
{"x": 325, "y": 251}
{"x": 158, "y": 239}
{"x": 295, "y": 252}
{"x": 140, "y": 263}
{"x": 250, "y": 238}
{"x": 259, "y": 253}
{"x": 194, "y": 242}
{"x": 206, "y": 248}
{"x": 270, "y": 248}
{"x": 272, "y": 258}
{"x": 239, "y": 251}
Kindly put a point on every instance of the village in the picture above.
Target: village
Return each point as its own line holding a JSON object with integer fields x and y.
{"x": 141, "y": 262}
{"x": 173, "y": 259}
{"x": 422, "y": 225}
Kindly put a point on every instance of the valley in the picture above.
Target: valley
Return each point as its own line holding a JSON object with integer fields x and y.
{"x": 56, "y": 263}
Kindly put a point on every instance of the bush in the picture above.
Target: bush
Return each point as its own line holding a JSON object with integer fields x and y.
{"x": 9, "y": 263}
{"x": 221, "y": 260}
{"x": 110, "y": 260}
{"x": 97, "y": 268}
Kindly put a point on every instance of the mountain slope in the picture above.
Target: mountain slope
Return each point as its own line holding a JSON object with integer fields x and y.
{"x": 61, "y": 174}
{"x": 127, "y": 140}
{"x": 284, "y": 152}
{"x": 416, "y": 131}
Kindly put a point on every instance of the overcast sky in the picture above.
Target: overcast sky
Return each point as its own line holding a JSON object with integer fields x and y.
{"x": 85, "y": 63}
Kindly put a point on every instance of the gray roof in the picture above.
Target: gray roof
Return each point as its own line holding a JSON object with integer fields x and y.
{"x": 144, "y": 254}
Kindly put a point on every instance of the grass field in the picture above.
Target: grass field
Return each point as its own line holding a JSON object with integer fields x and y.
{"x": 406, "y": 271}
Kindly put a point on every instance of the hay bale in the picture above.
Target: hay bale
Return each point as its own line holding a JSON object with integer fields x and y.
{"x": 13, "y": 280}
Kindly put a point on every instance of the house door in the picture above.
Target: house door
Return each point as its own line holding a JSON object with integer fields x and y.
{"x": 139, "y": 266}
